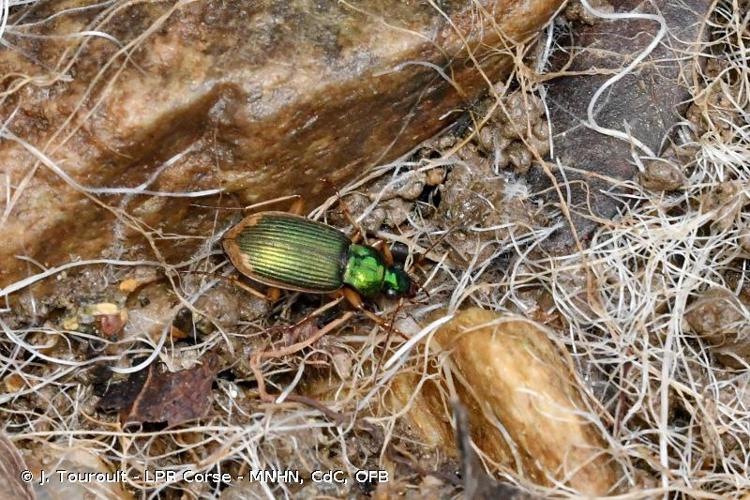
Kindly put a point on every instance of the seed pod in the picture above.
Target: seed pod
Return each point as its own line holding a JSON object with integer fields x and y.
{"x": 525, "y": 407}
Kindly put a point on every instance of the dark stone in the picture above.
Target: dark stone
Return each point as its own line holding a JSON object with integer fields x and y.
{"x": 649, "y": 99}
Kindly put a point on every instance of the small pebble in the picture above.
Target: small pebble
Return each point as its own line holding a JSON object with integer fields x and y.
{"x": 660, "y": 175}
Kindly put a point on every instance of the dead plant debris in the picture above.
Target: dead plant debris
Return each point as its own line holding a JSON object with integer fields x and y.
{"x": 154, "y": 396}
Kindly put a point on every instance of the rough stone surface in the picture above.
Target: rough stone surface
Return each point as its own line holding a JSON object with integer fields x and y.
{"x": 257, "y": 99}
{"x": 649, "y": 100}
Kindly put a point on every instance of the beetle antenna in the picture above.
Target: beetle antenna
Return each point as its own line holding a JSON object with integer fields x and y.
{"x": 250, "y": 207}
{"x": 423, "y": 255}
{"x": 358, "y": 231}
{"x": 388, "y": 337}
{"x": 419, "y": 285}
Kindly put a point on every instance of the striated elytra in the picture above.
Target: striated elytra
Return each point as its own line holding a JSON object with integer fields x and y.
{"x": 292, "y": 252}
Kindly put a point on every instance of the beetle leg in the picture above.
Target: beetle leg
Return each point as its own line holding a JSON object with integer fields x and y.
{"x": 388, "y": 339}
{"x": 256, "y": 359}
{"x": 273, "y": 294}
{"x": 356, "y": 302}
{"x": 298, "y": 206}
{"x": 247, "y": 288}
{"x": 386, "y": 251}
{"x": 294, "y": 348}
{"x": 358, "y": 232}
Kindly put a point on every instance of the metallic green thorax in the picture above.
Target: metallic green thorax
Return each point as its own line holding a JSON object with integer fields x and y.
{"x": 365, "y": 270}
{"x": 294, "y": 253}
{"x": 367, "y": 273}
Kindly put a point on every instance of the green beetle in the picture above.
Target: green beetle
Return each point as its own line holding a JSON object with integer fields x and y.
{"x": 291, "y": 252}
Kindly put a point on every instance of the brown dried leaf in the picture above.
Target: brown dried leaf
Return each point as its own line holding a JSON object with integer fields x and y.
{"x": 152, "y": 395}
{"x": 122, "y": 395}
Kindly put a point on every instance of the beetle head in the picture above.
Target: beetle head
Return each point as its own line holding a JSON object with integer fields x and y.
{"x": 398, "y": 284}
